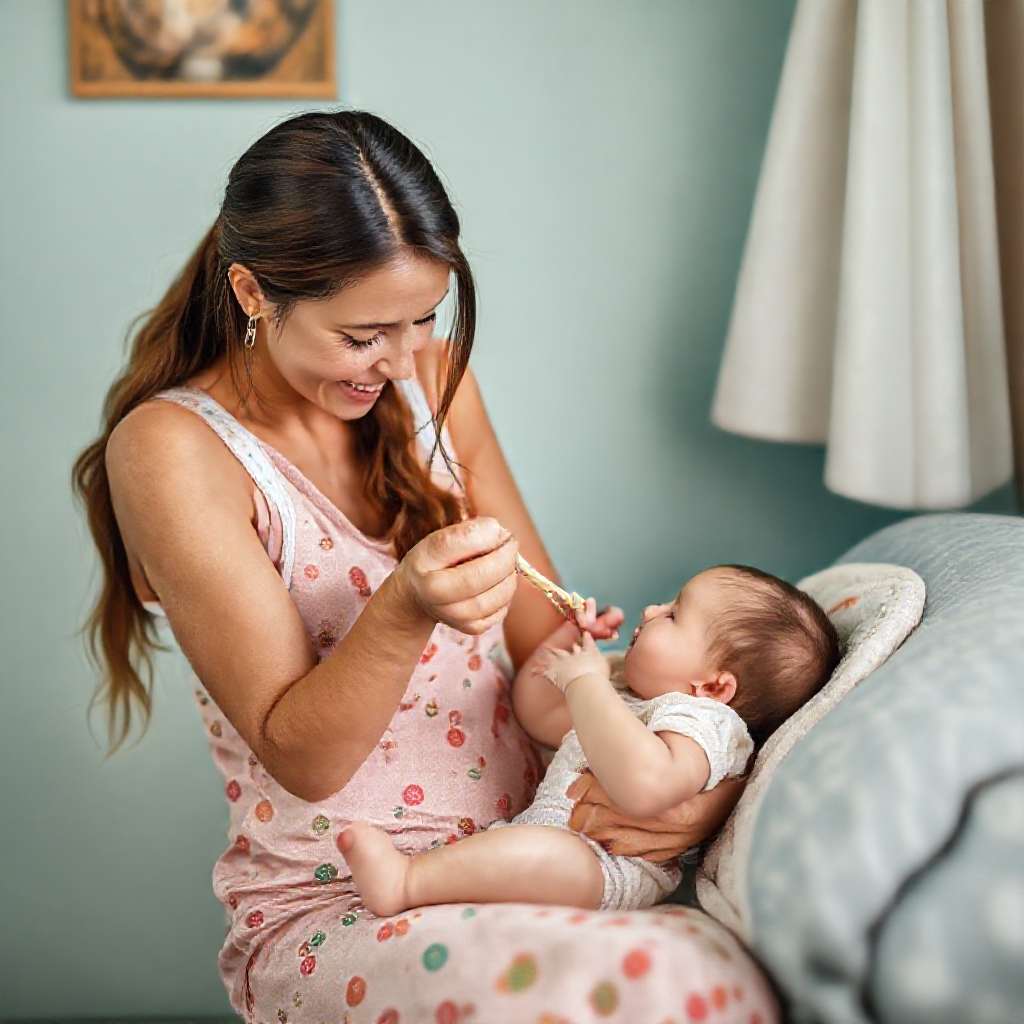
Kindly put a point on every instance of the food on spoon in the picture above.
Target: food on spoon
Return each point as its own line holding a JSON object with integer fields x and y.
{"x": 570, "y": 605}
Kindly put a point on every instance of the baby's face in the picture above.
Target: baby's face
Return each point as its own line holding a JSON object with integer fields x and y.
{"x": 669, "y": 650}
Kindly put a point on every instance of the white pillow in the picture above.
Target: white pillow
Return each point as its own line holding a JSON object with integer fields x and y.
{"x": 874, "y": 608}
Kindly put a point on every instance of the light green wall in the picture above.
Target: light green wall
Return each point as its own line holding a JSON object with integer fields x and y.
{"x": 604, "y": 155}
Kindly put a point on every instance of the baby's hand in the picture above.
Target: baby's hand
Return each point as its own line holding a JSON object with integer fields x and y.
{"x": 563, "y": 667}
{"x": 603, "y": 626}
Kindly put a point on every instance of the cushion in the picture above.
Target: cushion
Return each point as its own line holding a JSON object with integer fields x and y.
{"x": 874, "y": 607}
{"x": 949, "y": 947}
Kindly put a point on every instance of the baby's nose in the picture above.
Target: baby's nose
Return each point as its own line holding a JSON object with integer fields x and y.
{"x": 651, "y": 612}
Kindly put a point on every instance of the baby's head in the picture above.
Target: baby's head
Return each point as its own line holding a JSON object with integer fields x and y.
{"x": 737, "y": 635}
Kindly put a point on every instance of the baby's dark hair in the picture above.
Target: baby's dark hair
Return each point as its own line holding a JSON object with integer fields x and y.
{"x": 778, "y": 642}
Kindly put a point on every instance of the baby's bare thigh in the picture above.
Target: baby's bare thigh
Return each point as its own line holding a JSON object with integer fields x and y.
{"x": 544, "y": 864}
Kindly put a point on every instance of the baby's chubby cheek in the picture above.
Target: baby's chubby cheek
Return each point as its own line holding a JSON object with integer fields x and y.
{"x": 634, "y": 666}
{"x": 654, "y": 666}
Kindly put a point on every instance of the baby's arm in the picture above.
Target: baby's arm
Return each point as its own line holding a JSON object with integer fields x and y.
{"x": 538, "y": 706}
{"x": 643, "y": 772}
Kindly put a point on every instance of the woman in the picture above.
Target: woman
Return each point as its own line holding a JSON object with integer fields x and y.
{"x": 336, "y": 559}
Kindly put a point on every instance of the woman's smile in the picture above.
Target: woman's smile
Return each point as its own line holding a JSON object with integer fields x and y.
{"x": 363, "y": 393}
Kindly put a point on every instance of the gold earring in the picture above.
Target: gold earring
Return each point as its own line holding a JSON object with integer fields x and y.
{"x": 250, "y": 331}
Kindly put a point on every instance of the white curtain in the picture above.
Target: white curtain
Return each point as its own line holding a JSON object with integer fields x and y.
{"x": 869, "y": 311}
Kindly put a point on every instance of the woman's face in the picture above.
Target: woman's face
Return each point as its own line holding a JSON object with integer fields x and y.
{"x": 338, "y": 353}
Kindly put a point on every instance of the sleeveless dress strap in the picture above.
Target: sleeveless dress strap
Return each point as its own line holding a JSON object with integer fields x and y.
{"x": 426, "y": 432}
{"x": 422, "y": 418}
{"x": 245, "y": 447}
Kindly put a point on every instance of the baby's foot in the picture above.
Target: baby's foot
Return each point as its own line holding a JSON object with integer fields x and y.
{"x": 378, "y": 869}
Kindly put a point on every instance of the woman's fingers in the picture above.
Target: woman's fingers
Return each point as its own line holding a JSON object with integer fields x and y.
{"x": 707, "y": 812}
{"x": 463, "y": 575}
{"x": 478, "y": 626}
{"x": 660, "y": 856}
{"x": 462, "y": 542}
{"x": 489, "y": 606}
{"x": 602, "y": 820}
{"x": 653, "y": 839}
{"x": 580, "y": 787}
{"x": 472, "y": 579}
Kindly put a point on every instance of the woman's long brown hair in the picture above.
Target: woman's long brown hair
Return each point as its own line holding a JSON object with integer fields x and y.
{"x": 315, "y": 203}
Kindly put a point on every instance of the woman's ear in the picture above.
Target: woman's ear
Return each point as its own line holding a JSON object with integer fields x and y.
{"x": 247, "y": 290}
{"x": 720, "y": 686}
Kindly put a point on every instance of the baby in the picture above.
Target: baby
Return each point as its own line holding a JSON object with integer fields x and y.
{"x": 705, "y": 679}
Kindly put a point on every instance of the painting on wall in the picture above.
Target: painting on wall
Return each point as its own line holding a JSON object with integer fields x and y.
{"x": 202, "y": 48}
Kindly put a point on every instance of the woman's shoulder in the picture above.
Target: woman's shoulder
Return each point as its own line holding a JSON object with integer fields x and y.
{"x": 160, "y": 432}
{"x": 164, "y": 448}
{"x": 175, "y": 487}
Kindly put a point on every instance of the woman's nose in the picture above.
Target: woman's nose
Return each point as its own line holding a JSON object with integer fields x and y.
{"x": 398, "y": 360}
{"x": 398, "y": 364}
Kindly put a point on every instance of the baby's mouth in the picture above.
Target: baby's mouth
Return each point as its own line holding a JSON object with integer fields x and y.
{"x": 636, "y": 633}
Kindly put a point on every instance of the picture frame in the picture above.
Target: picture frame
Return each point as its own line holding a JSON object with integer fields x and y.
{"x": 204, "y": 48}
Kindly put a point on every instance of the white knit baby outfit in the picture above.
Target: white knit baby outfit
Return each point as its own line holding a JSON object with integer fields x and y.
{"x": 631, "y": 883}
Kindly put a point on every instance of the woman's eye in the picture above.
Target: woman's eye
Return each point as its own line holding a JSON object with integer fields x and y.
{"x": 426, "y": 320}
{"x": 360, "y": 343}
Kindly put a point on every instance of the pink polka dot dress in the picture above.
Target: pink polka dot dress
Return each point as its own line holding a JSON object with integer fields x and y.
{"x": 302, "y": 949}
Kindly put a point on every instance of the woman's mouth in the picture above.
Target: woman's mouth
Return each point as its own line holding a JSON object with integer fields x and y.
{"x": 362, "y": 393}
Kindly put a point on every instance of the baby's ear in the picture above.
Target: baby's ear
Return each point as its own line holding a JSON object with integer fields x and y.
{"x": 720, "y": 686}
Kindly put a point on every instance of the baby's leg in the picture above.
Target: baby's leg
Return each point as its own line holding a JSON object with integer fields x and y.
{"x": 517, "y": 864}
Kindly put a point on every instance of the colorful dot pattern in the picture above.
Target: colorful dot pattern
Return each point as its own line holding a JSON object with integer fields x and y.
{"x": 465, "y": 965}
{"x": 301, "y": 950}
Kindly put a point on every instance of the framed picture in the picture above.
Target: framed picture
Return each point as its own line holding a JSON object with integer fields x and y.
{"x": 202, "y": 48}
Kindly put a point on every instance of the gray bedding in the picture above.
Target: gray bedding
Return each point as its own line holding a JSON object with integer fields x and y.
{"x": 887, "y": 872}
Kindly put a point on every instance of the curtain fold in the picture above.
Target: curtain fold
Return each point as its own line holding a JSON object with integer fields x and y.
{"x": 1004, "y": 32}
{"x": 869, "y": 311}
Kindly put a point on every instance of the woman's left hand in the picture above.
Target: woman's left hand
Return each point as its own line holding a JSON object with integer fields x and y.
{"x": 655, "y": 839}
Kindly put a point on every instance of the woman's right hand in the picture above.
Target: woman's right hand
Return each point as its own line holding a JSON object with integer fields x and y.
{"x": 462, "y": 575}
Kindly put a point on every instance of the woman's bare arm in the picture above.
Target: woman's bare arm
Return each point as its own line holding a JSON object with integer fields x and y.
{"x": 539, "y": 707}
{"x": 184, "y": 507}
{"x": 493, "y": 492}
